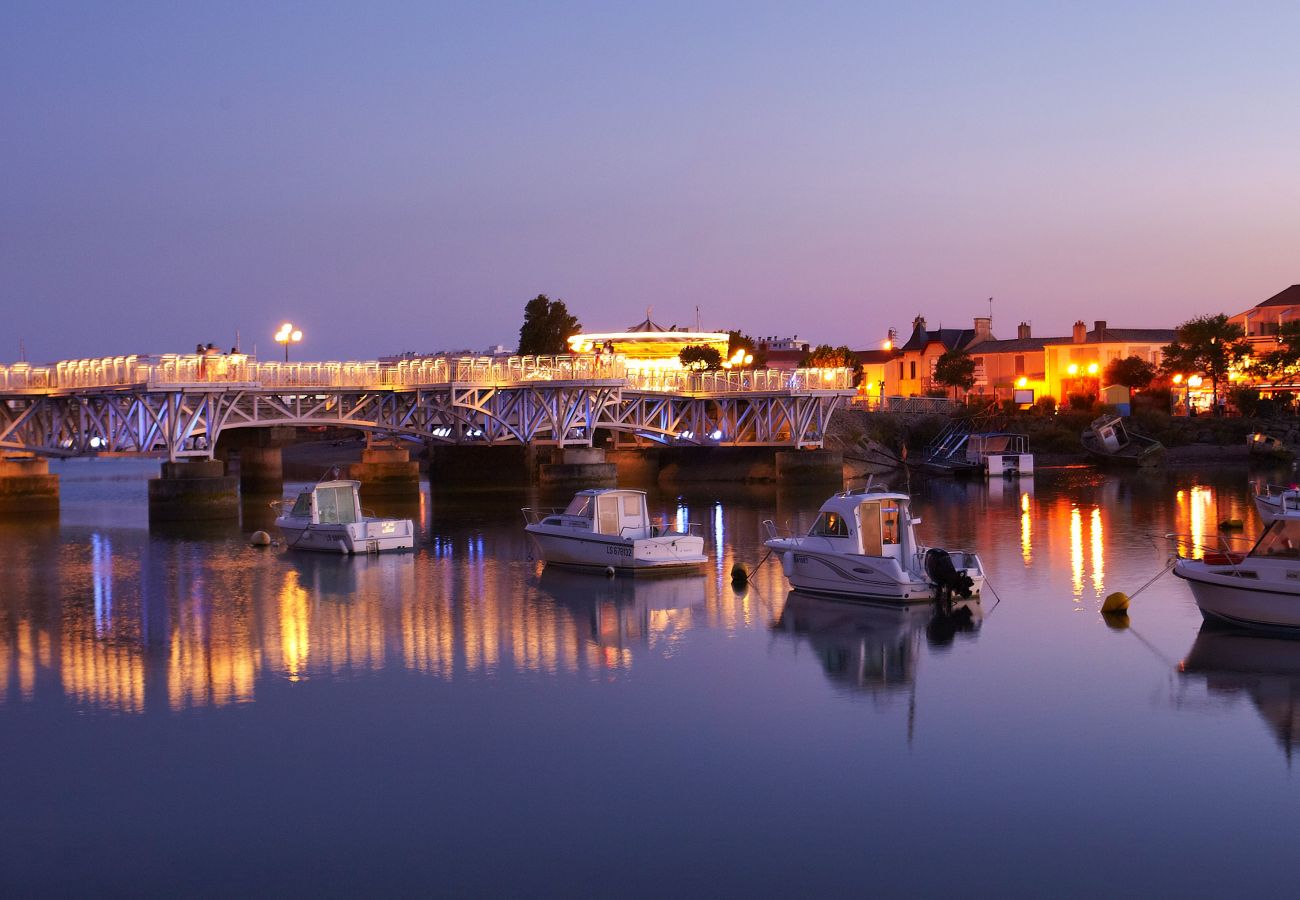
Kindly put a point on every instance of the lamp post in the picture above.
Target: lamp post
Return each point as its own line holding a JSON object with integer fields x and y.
{"x": 287, "y": 335}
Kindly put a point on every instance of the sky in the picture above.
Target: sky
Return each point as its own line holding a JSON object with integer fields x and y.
{"x": 396, "y": 176}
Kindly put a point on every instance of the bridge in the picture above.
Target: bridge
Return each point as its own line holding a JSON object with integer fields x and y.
{"x": 178, "y": 405}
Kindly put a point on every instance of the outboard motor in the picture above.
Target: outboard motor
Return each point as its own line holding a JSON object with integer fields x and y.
{"x": 947, "y": 580}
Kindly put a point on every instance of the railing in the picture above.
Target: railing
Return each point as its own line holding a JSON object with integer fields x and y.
{"x": 906, "y": 405}
{"x": 195, "y": 369}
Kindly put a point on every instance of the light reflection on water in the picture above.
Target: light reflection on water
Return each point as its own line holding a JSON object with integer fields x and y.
{"x": 771, "y": 705}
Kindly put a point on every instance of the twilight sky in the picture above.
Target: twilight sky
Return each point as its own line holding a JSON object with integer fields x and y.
{"x": 406, "y": 175}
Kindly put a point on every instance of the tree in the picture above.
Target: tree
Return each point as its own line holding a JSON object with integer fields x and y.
{"x": 1132, "y": 372}
{"x": 1281, "y": 363}
{"x": 824, "y": 356}
{"x": 694, "y": 357}
{"x": 955, "y": 369}
{"x": 1206, "y": 345}
{"x": 547, "y": 327}
{"x": 738, "y": 340}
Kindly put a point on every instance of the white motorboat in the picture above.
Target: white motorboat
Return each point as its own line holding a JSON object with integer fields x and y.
{"x": 1275, "y": 502}
{"x": 1259, "y": 589}
{"x": 863, "y": 545}
{"x": 609, "y": 528}
{"x": 329, "y": 518}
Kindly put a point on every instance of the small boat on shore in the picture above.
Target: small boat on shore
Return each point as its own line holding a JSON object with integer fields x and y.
{"x": 1267, "y": 448}
{"x": 1277, "y": 502}
{"x": 1000, "y": 453}
{"x": 329, "y": 518}
{"x": 1259, "y": 589}
{"x": 864, "y": 546}
{"x": 609, "y": 528}
{"x": 1111, "y": 442}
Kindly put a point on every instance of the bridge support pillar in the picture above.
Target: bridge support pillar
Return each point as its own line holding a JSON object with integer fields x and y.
{"x": 261, "y": 470}
{"x": 26, "y": 486}
{"x": 387, "y": 470}
{"x": 579, "y": 467}
{"x": 811, "y": 467}
{"x": 199, "y": 490}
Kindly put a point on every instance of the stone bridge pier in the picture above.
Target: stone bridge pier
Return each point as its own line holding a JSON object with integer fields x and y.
{"x": 26, "y": 486}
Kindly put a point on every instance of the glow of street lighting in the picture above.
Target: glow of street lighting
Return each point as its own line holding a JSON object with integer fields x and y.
{"x": 287, "y": 335}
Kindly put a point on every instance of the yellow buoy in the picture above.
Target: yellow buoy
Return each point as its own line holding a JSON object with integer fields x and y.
{"x": 1116, "y": 602}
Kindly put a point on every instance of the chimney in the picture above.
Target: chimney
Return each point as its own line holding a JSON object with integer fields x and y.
{"x": 1022, "y": 331}
{"x": 983, "y": 329}
{"x": 1080, "y": 332}
{"x": 1101, "y": 329}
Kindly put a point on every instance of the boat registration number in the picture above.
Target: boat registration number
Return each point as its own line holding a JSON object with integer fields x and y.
{"x": 618, "y": 551}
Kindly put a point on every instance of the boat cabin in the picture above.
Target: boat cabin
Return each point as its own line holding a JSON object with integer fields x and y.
{"x": 1280, "y": 540}
{"x": 608, "y": 511}
{"x": 330, "y": 503}
{"x": 870, "y": 523}
{"x": 1111, "y": 434}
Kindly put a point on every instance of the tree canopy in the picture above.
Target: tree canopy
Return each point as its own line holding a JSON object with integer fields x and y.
{"x": 698, "y": 357}
{"x": 547, "y": 327}
{"x": 1281, "y": 363}
{"x": 1132, "y": 372}
{"x": 1206, "y": 345}
{"x": 738, "y": 340}
{"x": 955, "y": 369}
{"x": 824, "y": 356}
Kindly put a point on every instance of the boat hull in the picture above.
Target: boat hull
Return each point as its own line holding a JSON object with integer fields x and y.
{"x": 1277, "y": 506}
{"x": 857, "y": 577}
{"x": 1270, "y": 601}
{"x": 670, "y": 553}
{"x": 371, "y": 536}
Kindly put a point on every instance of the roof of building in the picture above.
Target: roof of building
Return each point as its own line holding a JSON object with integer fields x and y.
{"x": 1288, "y": 297}
{"x": 951, "y": 338}
{"x": 1016, "y": 345}
{"x": 1125, "y": 336}
{"x": 875, "y": 355}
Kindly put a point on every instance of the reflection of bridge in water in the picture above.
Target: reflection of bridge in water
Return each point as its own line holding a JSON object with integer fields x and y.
{"x": 127, "y": 624}
{"x": 181, "y": 404}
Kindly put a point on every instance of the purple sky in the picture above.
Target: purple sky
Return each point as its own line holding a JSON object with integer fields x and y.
{"x": 399, "y": 176}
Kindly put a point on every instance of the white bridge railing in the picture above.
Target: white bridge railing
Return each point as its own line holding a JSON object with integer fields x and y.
{"x": 185, "y": 370}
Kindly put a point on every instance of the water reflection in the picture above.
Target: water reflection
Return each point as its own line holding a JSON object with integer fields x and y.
{"x": 1265, "y": 669}
{"x": 873, "y": 649}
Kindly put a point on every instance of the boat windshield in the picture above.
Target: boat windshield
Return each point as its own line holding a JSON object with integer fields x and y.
{"x": 579, "y": 506}
{"x": 335, "y": 505}
{"x": 1281, "y": 540}
{"x": 302, "y": 506}
{"x": 829, "y": 524}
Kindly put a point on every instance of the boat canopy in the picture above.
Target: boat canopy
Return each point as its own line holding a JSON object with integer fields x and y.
{"x": 612, "y": 511}
{"x": 330, "y": 503}
{"x": 869, "y": 523}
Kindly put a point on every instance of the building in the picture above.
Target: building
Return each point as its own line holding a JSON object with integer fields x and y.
{"x": 1262, "y": 321}
{"x": 651, "y": 345}
{"x": 783, "y": 353}
{"x": 912, "y": 372}
{"x": 1075, "y": 365}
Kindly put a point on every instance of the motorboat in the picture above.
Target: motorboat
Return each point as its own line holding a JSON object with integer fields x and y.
{"x": 863, "y": 545}
{"x": 1110, "y": 441}
{"x": 329, "y": 518}
{"x": 609, "y": 528}
{"x": 1268, "y": 448}
{"x": 1276, "y": 502}
{"x": 1259, "y": 589}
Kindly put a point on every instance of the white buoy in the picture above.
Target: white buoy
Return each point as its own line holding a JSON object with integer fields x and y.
{"x": 260, "y": 539}
{"x": 609, "y": 571}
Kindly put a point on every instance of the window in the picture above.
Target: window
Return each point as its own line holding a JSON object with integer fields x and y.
{"x": 607, "y": 513}
{"x": 869, "y": 520}
{"x": 631, "y": 506}
{"x": 900, "y": 371}
{"x": 335, "y": 506}
{"x": 979, "y": 370}
{"x": 1020, "y": 365}
{"x": 579, "y": 506}
{"x": 302, "y": 506}
{"x": 913, "y": 369}
{"x": 829, "y": 524}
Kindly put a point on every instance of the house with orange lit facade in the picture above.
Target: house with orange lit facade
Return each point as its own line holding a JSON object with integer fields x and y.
{"x": 1007, "y": 369}
{"x": 1075, "y": 365}
{"x": 911, "y": 372}
{"x": 1261, "y": 322}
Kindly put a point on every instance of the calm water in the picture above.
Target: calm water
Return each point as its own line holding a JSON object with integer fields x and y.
{"x": 181, "y": 713}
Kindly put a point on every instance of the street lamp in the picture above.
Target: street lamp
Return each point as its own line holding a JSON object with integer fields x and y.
{"x": 287, "y": 335}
